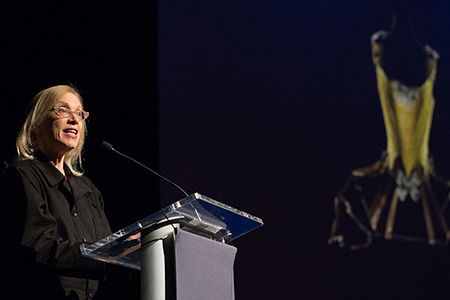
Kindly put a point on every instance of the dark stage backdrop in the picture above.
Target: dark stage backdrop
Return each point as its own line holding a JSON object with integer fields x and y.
{"x": 268, "y": 106}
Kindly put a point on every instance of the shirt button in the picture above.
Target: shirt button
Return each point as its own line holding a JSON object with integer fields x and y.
{"x": 74, "y": 214}
{"x": 84, "y": 240}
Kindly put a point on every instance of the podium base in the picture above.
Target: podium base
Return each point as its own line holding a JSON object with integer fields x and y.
{"x": 179, "y": 265}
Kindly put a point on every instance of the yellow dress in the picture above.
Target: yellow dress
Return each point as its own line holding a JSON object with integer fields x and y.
{"x": 396, "y": 197}
{"x": 407, "y": 113}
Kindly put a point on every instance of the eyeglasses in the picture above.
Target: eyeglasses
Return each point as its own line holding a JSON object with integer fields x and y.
{"x": 65, "y": 112}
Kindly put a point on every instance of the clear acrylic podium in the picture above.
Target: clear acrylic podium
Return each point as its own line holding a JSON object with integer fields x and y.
{"x": 183, "y": 251}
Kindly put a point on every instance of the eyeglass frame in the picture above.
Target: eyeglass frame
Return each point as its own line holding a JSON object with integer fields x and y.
{"x": 84, "y": 114}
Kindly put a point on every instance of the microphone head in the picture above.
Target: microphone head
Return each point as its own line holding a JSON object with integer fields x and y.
{"x": 107, "y": 146}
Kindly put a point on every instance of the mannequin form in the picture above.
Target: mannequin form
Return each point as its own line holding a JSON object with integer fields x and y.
{"x": 400, "y": 196}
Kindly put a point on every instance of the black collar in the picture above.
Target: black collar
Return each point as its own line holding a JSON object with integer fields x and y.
{"x": 51, "y": 173}
{"x": 55, "y": 177}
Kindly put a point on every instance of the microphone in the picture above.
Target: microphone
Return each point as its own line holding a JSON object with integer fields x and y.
{"x": 109, "y": 147}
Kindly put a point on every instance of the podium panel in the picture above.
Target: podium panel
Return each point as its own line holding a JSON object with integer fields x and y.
{"x": 204, "y": 268}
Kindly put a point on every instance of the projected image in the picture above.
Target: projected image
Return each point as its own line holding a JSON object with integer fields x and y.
{"x": 400, "y": 196}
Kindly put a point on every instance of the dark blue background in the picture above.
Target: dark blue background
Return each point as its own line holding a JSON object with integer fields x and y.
{"x": 268, "y": 106}
{"x": 264, "y": 105}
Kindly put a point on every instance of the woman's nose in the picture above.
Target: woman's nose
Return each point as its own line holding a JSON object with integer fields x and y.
{"x": 74, "y": 118}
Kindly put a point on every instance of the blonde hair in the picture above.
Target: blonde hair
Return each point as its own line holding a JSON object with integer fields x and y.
{"x": 39, "y": 110}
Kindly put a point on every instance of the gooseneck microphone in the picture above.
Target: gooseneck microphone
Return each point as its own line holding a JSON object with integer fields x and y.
{"x": 109, "y": 147}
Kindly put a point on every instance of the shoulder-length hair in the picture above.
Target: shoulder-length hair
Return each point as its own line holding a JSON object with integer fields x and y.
{"x": 39, "y": 110}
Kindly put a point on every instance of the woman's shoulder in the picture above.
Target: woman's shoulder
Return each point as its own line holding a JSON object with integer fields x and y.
{"x": 21, "y": 171}
{"x": 22, "y": 165}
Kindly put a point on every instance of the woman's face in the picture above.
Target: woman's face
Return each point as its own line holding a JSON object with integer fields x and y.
{"x": 58, "y": 135}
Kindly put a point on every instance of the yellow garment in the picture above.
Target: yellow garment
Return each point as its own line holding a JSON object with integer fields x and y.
{"x": 407, "y": 113}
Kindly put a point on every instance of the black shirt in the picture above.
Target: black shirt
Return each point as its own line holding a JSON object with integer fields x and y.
{"x": 48, "y": 218}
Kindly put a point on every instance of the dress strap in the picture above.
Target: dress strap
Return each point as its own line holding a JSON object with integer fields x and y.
{"x": 377, "y": 46}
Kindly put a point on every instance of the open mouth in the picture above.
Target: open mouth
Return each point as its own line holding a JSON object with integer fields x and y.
{"x": 71, "y": 131}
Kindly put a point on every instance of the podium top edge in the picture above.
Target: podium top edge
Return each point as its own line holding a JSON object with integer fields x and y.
{"x": 199, "y": 196}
